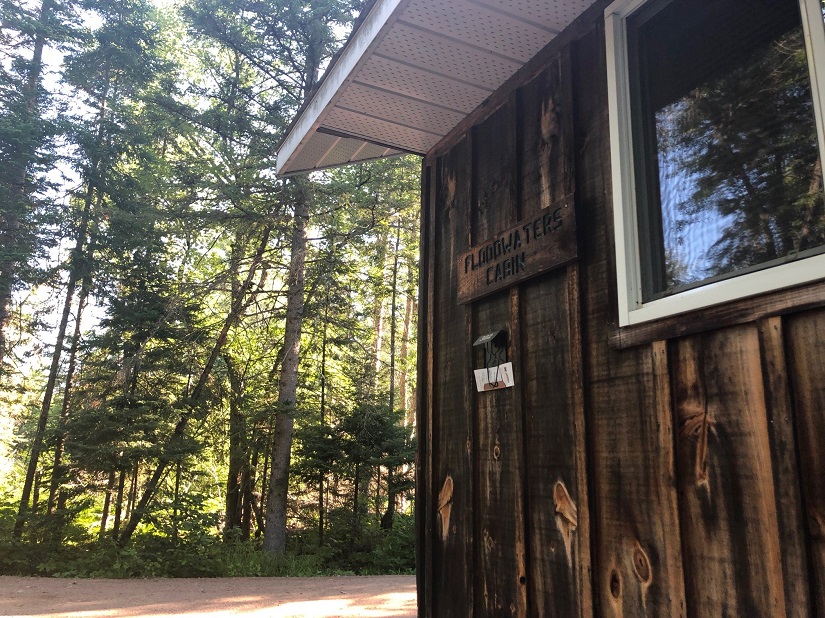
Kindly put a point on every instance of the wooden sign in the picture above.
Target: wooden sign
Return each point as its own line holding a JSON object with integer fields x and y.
{"x": 533, "y": 246}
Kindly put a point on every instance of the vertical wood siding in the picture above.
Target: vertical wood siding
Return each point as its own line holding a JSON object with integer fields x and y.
{"x": 684, "y": 477}
{"x": 637, "y": 549}
{"x": 806, "y": 355}
{"x": 453, "y": 432}
{"x": 730, "y": 535}
{"x": 499, "y": 455}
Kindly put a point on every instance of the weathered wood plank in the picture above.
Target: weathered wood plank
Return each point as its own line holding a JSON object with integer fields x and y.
{"x": 728, "y": 514}
{"x": 663, "y": 401}
{"x": 550, "y": 439}
{"x": 638, "y": 567}
{"x": 547, "y": 168}
{"x": 495, "y": 169}
{"x": 637, "y": 555}
{"x": 469, "y": 366}
{"x": 424, "y": 506}
{"x": 806, "y": 356}
{"x": 584, "y": 577}
{"x": 499, "y": 501}
{"x": 557, "y": 516}
{"x": 785, "y": 469}
{"x": 565, "y": 176}
{"x": 453, "y": 435}
{"x": 522, "y": 551}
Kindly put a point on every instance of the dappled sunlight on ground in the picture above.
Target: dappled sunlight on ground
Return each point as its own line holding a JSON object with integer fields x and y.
{"x": 300, "y": 597}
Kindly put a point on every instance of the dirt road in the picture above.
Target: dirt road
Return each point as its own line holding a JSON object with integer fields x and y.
{"x": 288, "y": 597}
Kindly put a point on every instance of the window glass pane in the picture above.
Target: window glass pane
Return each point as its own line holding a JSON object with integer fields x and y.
{"x": 725, "y": 139}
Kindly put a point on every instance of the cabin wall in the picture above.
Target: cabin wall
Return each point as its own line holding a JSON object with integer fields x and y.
{"x": 680, "y": 475}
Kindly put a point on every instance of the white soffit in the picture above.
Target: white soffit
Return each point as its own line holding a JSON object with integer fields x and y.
{"x": 411, "y": 71}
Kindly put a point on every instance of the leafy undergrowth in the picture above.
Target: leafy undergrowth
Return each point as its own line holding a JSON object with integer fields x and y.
{"x": 372, "y": 552}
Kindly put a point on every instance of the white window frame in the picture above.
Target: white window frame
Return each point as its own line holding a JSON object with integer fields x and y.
{"x": 632, "y": 310}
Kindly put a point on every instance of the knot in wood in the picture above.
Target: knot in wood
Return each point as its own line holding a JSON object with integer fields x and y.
{"x": 496, "y": 452}
{"x": 641, "y": 565}
{"x": 615, "y": 584}
{"x": 445, "y": 506}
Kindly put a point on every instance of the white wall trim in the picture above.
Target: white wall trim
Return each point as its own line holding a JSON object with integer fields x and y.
{"x": 621, "y": 151}
{"x": 814, "y": 29}
{"x": 768, "y": 280}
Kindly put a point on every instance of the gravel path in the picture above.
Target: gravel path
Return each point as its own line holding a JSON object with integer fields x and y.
{"x": 391, "y": 596}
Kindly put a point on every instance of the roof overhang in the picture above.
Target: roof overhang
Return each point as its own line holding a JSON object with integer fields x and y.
{"x": 414, "y": 69}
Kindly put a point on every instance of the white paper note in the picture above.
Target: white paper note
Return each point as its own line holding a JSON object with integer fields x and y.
{"x": 494, "y": 378}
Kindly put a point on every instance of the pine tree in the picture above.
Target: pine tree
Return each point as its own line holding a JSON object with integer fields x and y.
{"x": 26, "y": 138}
{"x": 110, "y": 73}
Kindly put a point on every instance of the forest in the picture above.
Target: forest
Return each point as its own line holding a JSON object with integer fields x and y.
{"x": 205, "y": 370}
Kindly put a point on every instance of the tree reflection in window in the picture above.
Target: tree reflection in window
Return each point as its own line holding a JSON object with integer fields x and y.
{"x": 735, "y": 174}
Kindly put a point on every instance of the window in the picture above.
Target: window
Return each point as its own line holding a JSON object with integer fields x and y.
{"x": 717, "y": 143}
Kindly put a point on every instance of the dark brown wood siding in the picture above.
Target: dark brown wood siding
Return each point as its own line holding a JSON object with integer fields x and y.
{"x": 677, "y": 470}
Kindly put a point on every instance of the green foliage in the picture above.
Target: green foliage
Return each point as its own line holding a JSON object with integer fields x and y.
{"x": 395, "y": 551}
{"x": 182, "y": 238}
{"x": 361, "y": 547}
{"x": 154, "y": 555}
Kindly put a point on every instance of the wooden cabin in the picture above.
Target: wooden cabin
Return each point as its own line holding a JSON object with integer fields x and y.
{"x": 621, "y": 381}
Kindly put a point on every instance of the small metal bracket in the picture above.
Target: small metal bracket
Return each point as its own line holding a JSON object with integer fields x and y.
{"x": 495, "y": 353}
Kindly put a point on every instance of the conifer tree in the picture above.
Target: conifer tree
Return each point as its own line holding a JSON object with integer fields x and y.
{"x": 110, "y": 73}
{"x": 27, "y": 129}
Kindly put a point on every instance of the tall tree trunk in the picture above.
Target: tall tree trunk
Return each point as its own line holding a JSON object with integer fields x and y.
{"x": 378, "y": 307}
{"x": 141, "y": 506}
{"x": 276, "y": 507}
{"x": 404, "y": 400}
{"x": 176, "y": 504}
{"x": 57, "y": 466}
{"x": 265, "y": 470}
{"x": 133, "y": 487}
{"x": 323, "y": 410}
{"x": 393, "y": 312}
{"x": 36, "y": 494}
{"x": 254, "y": 498}
{"x": 10, "y": 215}
{"x": 121, "y": 482}
{"x": 248, "y": 498}
{"x": 237, "y": 453}
{"x": 40, "y": 430}
{"x": 107, "y": 501}
{"x": 356, "y": 507}
{"x": 387, "y": 519}
{"x": 257, "y": 511}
